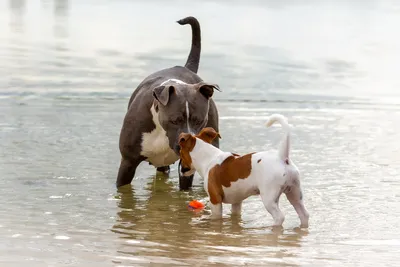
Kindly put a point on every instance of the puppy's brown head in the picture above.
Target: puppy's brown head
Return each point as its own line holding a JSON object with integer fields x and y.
{"x": 187, "y": 142}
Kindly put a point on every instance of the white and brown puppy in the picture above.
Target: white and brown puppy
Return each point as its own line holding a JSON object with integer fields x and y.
{"x": 230, "y": 178}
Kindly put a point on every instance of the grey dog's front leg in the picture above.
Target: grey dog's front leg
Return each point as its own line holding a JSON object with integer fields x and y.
{"x": 127, "y": 170}
{"x": 185, "y": 182}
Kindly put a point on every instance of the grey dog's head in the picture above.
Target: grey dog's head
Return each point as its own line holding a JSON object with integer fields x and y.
{"x": 182, "y": 107}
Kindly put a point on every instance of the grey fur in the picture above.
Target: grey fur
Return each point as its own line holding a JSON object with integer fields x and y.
{"x": 169, "y": 99}
{"x": 193, "y": 59}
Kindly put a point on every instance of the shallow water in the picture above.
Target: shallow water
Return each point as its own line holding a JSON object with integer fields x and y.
{"x": 68, "y": 68}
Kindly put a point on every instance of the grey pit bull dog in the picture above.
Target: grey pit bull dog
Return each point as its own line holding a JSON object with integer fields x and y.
{"x": 165, "y": 104}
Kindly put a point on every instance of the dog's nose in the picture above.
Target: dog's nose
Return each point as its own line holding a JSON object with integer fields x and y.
{"x": 177, "y": 148}
{"x": 185, "y": 169}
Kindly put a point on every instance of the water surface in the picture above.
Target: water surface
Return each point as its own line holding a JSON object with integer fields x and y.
{"x": 69, "y": 67}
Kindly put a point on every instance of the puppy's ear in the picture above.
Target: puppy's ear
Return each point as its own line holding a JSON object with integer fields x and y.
{"x": 207, "y": 89}
{"x": 162, "y": 93}
{"x": 208, "y": 135}
{"x": 186, "y": 141}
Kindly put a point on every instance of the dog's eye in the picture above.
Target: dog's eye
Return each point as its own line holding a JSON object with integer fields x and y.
{"x": 196, "y": 121}
{"x": 176, "y": 121}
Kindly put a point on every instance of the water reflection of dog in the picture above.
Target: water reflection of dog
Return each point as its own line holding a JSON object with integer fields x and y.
{"x": 157, "y": 224}
{"x": 159, "y": 213}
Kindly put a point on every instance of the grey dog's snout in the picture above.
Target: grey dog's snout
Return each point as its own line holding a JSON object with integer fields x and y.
{"x": 177, "y": 149}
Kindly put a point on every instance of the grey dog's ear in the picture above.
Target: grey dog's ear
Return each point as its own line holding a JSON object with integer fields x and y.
{"x": 207, "y": 89}
{"x": 162, "y": 93}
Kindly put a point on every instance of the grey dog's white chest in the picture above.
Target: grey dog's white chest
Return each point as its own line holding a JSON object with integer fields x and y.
{"x": 155, "y": 145}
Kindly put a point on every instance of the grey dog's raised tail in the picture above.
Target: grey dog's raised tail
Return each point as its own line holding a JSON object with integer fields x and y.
{"x": 193, "y": 59}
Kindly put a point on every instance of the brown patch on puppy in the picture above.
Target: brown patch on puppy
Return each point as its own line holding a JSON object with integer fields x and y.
{"x": 230, "y": 170}
{"x": 258, "y": 161}
{"x": 208, "y": 135}
{"x": 187, "y": 143}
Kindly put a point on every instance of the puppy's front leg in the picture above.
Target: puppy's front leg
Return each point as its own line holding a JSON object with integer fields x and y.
{"x": 216, "y": 211}
{"x": 237, "y": 208}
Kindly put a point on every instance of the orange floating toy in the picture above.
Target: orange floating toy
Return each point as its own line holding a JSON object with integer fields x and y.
{"x": 194, "y": 204}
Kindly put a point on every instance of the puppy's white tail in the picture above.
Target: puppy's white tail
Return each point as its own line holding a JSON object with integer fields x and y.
{"x": 285, "y": 146}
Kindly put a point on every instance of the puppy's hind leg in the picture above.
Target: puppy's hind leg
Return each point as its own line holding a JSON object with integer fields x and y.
{"x": 295, "y": 197}
{"x": 236, "y": 208}
{"x": 270, "y": 198}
